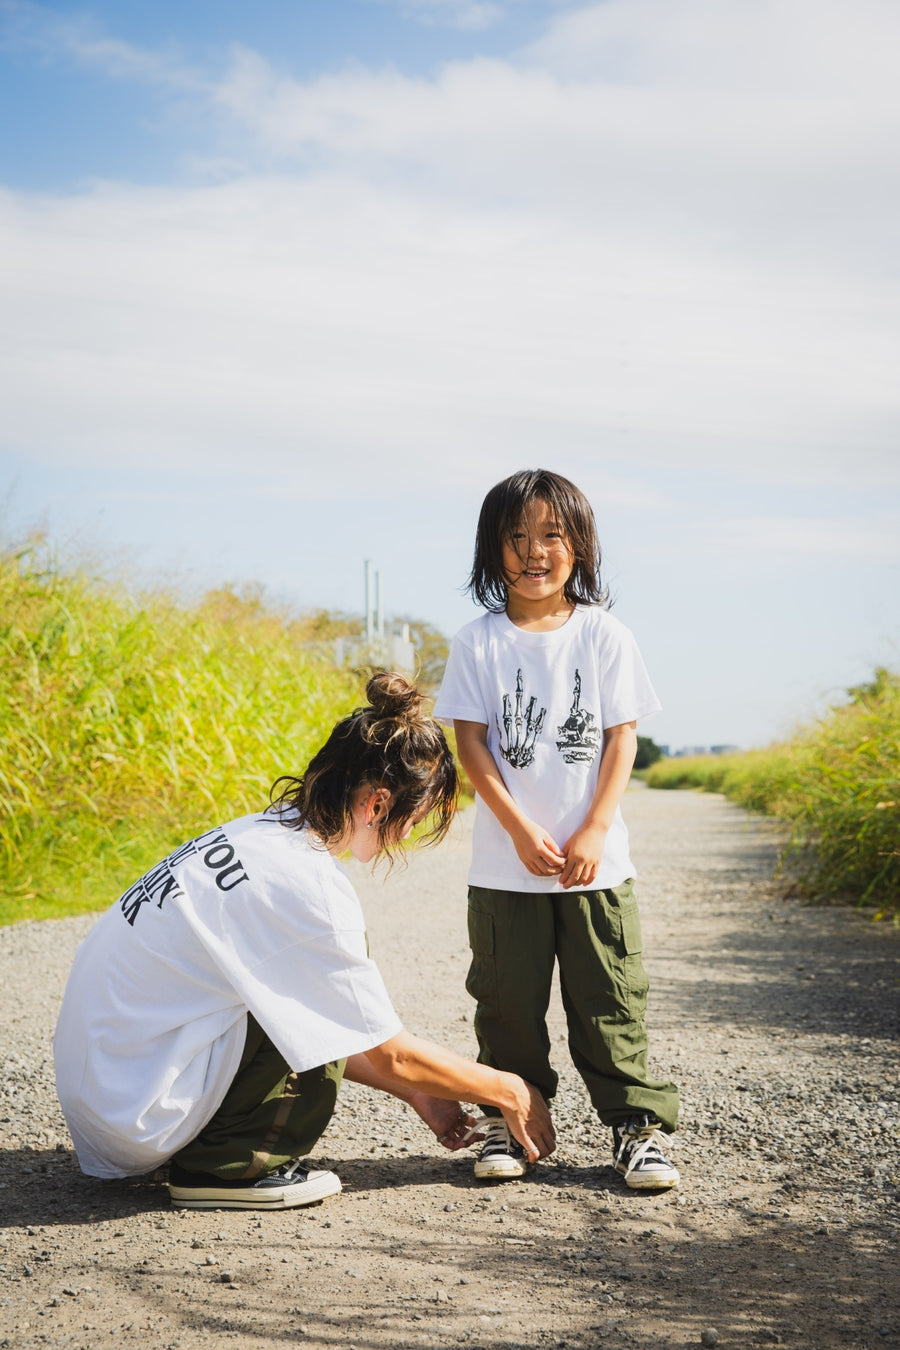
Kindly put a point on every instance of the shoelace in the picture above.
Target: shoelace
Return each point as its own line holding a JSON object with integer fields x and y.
{"x": 643, "y": 1145}
{"x": 496, "y": 1134}
{"x": 295, "y": 1170}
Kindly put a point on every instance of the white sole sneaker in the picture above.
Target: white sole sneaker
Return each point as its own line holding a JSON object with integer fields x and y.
{"x": 650, "y": 1179}
{"x": 502, "y": 1158}
{"x": 640, "y": 1158}
{"x": 299, "y": 1187}
{"x": 500, "y": 1168}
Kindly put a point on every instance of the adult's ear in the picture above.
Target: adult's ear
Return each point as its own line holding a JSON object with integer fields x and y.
{"x": 377, "y": 805}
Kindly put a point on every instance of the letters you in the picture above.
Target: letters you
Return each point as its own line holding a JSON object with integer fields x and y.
{"x": 160, "y": 882}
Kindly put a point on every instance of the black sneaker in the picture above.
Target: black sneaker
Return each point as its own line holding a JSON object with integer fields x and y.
{"x": 639, "y": 1156}
{"x": 502, "y": 1157}
{"x": 291, "y": 1185}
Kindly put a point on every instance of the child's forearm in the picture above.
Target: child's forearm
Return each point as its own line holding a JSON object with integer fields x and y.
{"x": 482, "y": 770}
{"x": 537, "y": 850}
{"x": 584, "y": 849}
{"x": 619, "y": 751}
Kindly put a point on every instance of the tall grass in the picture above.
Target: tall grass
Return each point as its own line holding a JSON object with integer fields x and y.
{"x": 128, "y": 724}
{"x": 837, "y": 783}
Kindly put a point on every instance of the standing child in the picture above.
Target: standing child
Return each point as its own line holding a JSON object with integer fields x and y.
{"x": 544, "y": 692}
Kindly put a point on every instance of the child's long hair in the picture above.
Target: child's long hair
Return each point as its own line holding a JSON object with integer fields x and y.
{"x": 391, "y": 744}
{"x": 504, "y": 509}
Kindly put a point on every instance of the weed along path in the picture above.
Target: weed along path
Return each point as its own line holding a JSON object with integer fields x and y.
{"x": 777, "y": 1020}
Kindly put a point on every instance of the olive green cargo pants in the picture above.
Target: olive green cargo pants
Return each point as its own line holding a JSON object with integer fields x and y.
{"x": 516, "y": 938}
{"x": 269, "y": 1116}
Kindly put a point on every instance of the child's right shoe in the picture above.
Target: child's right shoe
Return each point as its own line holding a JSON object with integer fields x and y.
{"x": 502, "y": 1157}
{"x": 639, "y": 1155}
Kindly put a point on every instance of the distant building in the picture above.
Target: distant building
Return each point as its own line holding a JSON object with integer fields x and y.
{"x": 394, "y": 651}
{"x": 686, "y": 751}
{"x": 376, "y": 647}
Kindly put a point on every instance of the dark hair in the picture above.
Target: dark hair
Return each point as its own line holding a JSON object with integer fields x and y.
{"x": 502, "y": 511}
{"x": 391, "y": 744}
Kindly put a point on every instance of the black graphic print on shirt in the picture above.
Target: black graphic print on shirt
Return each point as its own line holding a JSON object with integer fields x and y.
{"x": 579, "y": 735}
{"x": 160, "y": 883}
{"x": 521, "y": 731}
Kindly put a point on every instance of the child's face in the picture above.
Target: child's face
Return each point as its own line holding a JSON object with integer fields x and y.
{"x": 537, "y": 555}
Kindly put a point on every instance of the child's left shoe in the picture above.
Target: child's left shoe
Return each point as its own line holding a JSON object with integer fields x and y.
{"x": 502, "y": 1157}
{"x": 639, "y": 1155}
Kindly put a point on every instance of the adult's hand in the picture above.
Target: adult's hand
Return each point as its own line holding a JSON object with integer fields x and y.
{"x": 531, "y": 1123}
{"x": 450, "y": 1121}
{"x": 407, "y": 1066}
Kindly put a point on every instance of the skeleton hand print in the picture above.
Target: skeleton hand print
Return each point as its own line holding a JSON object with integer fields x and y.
{"x": 580, "y": 734}
{"x": 521, "y": 731}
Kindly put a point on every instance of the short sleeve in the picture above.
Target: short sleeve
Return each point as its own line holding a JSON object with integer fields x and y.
{"x": 295, "y": 955}
{"x": 626, "y": 692}
{"x": 321, "y": 1001}
{"x": 460, "y": 695}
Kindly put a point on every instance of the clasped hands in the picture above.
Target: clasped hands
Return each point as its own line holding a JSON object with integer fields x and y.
{"x": 575, "y": 865}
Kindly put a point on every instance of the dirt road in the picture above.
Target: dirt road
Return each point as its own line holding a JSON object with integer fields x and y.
{"x": 778, "y": 1021}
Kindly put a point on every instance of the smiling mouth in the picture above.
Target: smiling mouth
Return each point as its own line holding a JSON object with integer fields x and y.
{"x": 536, "y": 576}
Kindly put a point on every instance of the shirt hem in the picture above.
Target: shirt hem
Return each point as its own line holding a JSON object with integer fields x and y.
{"x": 538, "y": 886}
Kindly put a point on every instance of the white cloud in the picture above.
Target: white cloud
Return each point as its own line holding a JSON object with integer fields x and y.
{"x": 325, "y": 317}
{"x": 770, "y": 540}
{"x": 76, "y": 39}
{"x": 124, "y": 61}
{"x": 800, "y": 170}
{"x": 473, "y": 15}
{"x": 623, "y": 259}
{"x": 806, "y": 49}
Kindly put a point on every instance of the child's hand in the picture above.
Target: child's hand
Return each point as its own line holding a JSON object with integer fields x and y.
{"x": 583, "y": 853}
{"x": 537, "y": 851}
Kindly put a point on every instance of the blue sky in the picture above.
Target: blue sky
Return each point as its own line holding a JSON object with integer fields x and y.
{"x": 290, "y": 286}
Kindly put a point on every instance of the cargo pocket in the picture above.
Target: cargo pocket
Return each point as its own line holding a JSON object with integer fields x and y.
{"x": 481, "y": 981}
{"x": 636, "y": 982}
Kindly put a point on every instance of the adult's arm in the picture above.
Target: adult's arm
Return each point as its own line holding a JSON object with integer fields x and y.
{"x": 406, "y": 1064}
{"x": 447, "y": 1118}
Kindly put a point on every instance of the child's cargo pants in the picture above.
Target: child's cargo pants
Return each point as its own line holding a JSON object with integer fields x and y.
{"x": 516, "y": 937}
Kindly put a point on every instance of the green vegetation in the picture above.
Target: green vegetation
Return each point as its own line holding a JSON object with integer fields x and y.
{"x": 836, "y": 783}
{"x": 648, "y": 752}
{"x": 128, "y": 724}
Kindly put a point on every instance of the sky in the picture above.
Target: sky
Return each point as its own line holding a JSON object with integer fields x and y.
{"x": 289, "y": 286}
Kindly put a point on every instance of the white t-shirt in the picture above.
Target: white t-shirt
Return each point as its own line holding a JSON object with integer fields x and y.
{"x": 249, "y": 916}
{"x": 545, "y": 699}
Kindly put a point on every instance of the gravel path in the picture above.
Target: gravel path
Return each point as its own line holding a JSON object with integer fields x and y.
{"x": 778, "y": 1021}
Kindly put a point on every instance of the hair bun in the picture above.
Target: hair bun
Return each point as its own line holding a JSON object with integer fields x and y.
{"x": 391, "y": 695}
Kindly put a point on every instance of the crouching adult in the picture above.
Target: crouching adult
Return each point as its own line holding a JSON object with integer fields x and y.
{"x": 214, "y": 1009}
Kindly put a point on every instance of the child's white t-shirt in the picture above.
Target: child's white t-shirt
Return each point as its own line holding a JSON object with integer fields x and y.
{"x": 247, "y": 917}
{"x": 546, "y": 699}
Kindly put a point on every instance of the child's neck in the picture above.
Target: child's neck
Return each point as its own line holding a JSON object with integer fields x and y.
{"x": 539, "y": 616}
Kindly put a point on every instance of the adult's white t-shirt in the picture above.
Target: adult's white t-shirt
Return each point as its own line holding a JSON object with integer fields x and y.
{"x": 251, "y": 916}
{"x": 546, "y": 699}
